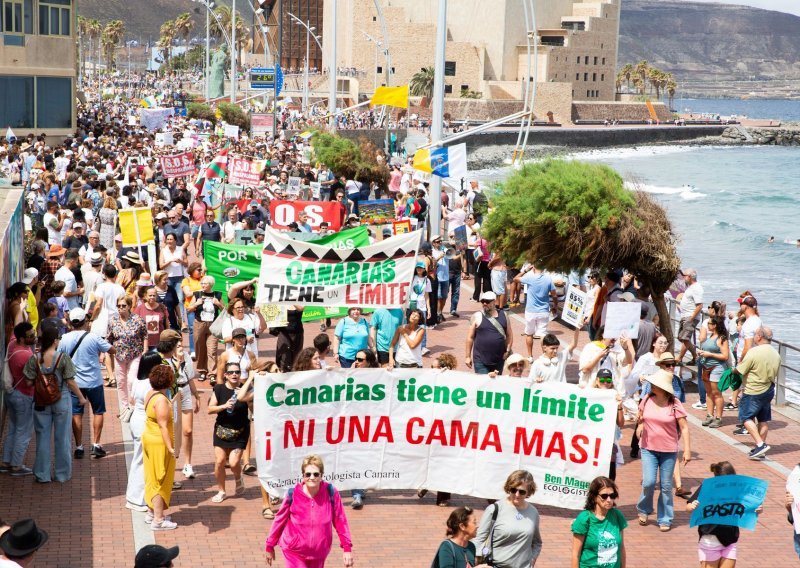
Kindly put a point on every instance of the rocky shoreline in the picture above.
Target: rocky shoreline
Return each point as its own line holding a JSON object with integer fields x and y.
{"x": 495, "y": 156}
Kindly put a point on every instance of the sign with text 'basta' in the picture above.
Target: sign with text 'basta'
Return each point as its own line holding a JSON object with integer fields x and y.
{"x": 441, "y": 430}
{"x": 312, "y": 274}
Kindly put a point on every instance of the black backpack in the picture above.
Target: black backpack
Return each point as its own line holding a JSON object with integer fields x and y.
{"x": 480, "y": 204}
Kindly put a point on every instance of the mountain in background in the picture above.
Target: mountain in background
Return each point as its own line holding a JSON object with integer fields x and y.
{"x": 713, "y": 50}
{"x": 716, "y": 50}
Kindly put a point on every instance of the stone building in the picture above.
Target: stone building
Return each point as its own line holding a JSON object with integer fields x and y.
{"x": 486, "y": 48}
{"x": 38, "y": 66}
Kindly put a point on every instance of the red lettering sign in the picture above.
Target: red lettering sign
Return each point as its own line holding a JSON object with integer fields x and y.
{"x": 285, "y": 212}
{"x": 179, "y": 165}
{"x": 242, "y": 171}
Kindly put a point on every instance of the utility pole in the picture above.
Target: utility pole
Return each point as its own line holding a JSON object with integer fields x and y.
{"x": 233, "y": 52}
{"x": 305, "y": 76}
{"x": 332, "y": 71}
{"x": 208, "y": 50}
{"x": 435, "y": 200}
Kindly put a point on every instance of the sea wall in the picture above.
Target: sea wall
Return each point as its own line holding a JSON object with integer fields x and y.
{"x": 761, "y": 136}
{"x": 595, "y": 137}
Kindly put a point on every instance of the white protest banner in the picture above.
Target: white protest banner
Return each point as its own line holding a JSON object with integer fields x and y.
{"x": 793, "y": 487}
{"x": 414, "y": 428}
{"x": 165, "y": 139}
{"x": 245, "y": 172}
{"x": 178, "y": 165}
{"x": 622, "y": 317}
{"x": 296, "y": 272}
{"x": 574, "y": 304}
{"x": 232, "y": 131}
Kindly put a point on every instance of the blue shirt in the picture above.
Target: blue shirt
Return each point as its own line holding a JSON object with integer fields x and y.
{"x": 385, "y": 321}
{"x": 87, "y": 358}
{"x": 353, "y": 337}
{"x": 538, "y": 294}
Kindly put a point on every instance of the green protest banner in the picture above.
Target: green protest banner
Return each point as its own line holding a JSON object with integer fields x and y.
{"x": 230, "y": 264}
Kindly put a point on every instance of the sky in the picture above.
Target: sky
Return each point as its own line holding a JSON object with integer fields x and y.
{"x": 789, "y": 6}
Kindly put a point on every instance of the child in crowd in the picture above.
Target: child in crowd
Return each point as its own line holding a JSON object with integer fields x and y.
{"x": 50, "y": 319}
{"x": 322, "y": 343}
{"x": 551, "y": 366}
{"x": 60, "y": 302}
{"x": 605, "y": 380}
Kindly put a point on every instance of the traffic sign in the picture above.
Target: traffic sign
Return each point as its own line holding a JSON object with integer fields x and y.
{"x": 267, "y": 78}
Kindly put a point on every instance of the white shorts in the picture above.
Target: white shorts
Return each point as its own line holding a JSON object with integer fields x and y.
{"x": 186, "y": 398}
{"x": 536, "y": 324}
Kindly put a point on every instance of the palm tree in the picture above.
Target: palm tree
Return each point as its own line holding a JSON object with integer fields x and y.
{"x": 627, "y": 71}
{"x": 94, "y": 30}
{"x": 657, "y": 80}
{"x": 184, "y": 25}
{"x": 82, "y": 29}
{"x": 422, "y": 83}
{"x": 671, "y": 86}
{"x": 167, "y": 35}
{"x": 618, "y": 81}
{"x": 112, "y": 34}
{"x": 242, "y": 32}
{"x": 641, "y": 70}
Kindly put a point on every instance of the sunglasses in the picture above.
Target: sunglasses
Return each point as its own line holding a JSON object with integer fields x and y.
{"x": 233, "y": 372}
{"x": 520, "y": 492}
{"x": 314, "y": 474}
{"x": 668, "y": 365}
{"x": 362, "y": 359}
{"x": 486, "y": 301}
{"x": 606, "y": 496}
{"x": 604, "y": 380}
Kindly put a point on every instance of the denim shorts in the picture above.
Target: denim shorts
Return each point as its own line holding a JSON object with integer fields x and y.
{"x": 444, "y": 289}
{"x": 96, "y": 397}
{"x": 757, "y": 406}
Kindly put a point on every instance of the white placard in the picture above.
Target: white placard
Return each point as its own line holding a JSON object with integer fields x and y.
{"x": 232, "y": 131}
{"x": 793, "y": 487}
{"x": 574, "y": 304}
{"x": 164, "y": 139}
{"x": 622, "y": 317}
{"x": 293, "y": 189}
{"x": 315, "y": 188}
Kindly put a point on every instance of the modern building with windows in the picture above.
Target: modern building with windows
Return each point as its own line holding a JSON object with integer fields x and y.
{"x": 38, "y": 66}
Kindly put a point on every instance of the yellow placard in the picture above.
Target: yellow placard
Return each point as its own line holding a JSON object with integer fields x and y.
{"x": 136, "y": 226}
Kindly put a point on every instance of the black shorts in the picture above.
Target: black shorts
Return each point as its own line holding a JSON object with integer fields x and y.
{"x": 383, "y": 357}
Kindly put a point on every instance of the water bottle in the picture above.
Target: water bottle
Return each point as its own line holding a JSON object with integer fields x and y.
{"x": 233, "y": 398}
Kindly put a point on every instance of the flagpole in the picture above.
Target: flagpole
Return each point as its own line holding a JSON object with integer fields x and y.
{"x": 435, "y": 196}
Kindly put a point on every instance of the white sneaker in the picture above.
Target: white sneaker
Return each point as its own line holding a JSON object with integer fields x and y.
{"x": 193, "y": 355}
{"x": 699, "y": 405}
{"x": 425, "y": 351}
{"x": 135, "y": 507}
{"x": 188, "y": 472}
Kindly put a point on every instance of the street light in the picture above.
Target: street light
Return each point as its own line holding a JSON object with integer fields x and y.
{"x": 378, "y": 45}
{"x": 309, "y": 34}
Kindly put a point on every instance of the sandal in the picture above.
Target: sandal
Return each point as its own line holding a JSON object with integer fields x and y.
{"x": 681, "y": 492}
{"x": 249, "y": 469}
{"x": 219, "y": 497}
{"x": 643, "y": 520}
{"x": 267, "y": 513}
{"x": 664, "y": 528}
{"x": 112, "y": 383}
{"x": 421, "y": 493}
{"x": 202, "y": 377}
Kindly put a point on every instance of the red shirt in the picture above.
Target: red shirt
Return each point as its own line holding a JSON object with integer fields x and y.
{"x": 18, "y": 355}
{"x": 155, "y": 321}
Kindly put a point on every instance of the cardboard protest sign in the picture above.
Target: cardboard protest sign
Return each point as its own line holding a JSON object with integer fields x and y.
{"x": 315, "y": 189}
{"x": 412, "y": 428}
{"x": 460, "y": 237}
{"x": 574, "y": 303}
{"x": 283, "y": 212}
{"x": 178, "y": 165}
{"x": 401, "y": 227}
{"x": 232, "y": 131}
{"x": 136, "y": 226}
{"x": 729, "y": 500}
{"x": 622, "y": 317}
{"x": 294, "y": 272}
{"x": 164, "y": 139}
{"x": 376, "y": 211}
{"x": 245, "y": 172}
{"x": 293, "y": 188}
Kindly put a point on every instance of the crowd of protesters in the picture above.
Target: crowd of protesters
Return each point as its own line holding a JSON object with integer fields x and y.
{"x": 94, "y": 317}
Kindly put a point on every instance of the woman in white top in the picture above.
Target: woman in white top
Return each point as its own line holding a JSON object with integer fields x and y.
{"x": 230, "y": 226}
{"x": 173, "y": 261}
{"x": 406, "y": 347}
{"x": 239, "y": 319}
{"x": 646, "y": 365}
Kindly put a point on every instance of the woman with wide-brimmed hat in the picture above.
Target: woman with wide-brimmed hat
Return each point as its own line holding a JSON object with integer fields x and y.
{"x": 661, "y": 422}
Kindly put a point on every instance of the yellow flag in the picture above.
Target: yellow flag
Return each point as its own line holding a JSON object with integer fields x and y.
{"x": 391, "y": 96}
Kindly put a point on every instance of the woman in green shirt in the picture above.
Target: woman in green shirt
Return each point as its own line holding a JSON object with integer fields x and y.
{"x": 597, "y": 532}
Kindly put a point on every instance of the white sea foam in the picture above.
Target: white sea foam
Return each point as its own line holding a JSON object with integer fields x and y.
{"x": 686, "y": 192}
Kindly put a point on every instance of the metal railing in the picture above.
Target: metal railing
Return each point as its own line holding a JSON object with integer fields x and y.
{"x": 783, "y": 390}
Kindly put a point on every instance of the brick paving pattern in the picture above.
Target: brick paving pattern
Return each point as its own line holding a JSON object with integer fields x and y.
{"x": 89, "y": 525}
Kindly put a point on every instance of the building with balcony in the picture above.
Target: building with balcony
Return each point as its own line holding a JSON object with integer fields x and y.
{"x": 38, "y": 66}
{"x": 486, "y": 47}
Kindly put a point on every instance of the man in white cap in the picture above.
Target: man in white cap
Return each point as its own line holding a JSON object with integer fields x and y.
{"x": 31, "y": 279}
{"x": 85, "y": 348}
{"x": 92, "y": 276}
{"x": 489, "y": 338}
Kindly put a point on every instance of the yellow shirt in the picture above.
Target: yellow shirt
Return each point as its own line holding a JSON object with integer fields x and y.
{"x": 194, "y": 286}
{"x": 33, "y": 310}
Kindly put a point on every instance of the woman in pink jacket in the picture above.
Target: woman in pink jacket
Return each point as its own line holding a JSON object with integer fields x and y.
{"x": 303, "y": 524}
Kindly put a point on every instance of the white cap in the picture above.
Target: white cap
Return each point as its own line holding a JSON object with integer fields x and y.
{"x": 488, "y": 296}
{"x": 29, "y": 275}
{"x": 77, "y": 226}
{"x": 77, "y": 314}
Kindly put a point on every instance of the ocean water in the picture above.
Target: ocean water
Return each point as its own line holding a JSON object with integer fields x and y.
{"x": 771, "y": 109}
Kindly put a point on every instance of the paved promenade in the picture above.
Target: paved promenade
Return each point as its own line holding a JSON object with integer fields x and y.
{"x": 90, "y": 526}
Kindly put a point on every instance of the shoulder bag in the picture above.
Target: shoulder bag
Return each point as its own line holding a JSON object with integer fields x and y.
{"x": 8, "y": 381}
{"x": 486, "y": 553}
{"x": 216, "y": 327}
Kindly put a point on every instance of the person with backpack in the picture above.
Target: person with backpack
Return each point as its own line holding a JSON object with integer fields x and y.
{"x": 304, "y": 523}
{"x": 478, "y": 202}
{"x": 52, "y": 421}
{"x": 19, "y": 401}
{"x": 84, "y": 349}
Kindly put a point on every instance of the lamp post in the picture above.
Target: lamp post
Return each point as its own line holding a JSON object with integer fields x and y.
{"x": 436, "y": 115}
{"x": 332, "y": 86}
{"x": 233, "y": 51}
{"x": 378, "y": 45}
{"x": 309, "y": 34}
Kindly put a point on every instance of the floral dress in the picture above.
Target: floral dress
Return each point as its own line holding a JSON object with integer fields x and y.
{"x": 127, "y": 337}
